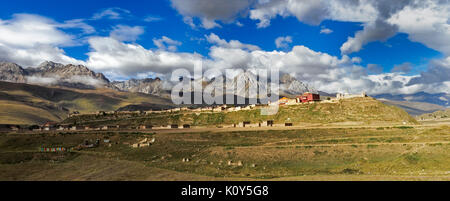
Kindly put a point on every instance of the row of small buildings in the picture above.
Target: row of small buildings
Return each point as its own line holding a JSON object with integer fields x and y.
{"x": 54, "y": 127}
{"x": 309, "y": 97}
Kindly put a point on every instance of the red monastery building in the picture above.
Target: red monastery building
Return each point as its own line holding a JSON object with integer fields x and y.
{"x": 308, "y": 97}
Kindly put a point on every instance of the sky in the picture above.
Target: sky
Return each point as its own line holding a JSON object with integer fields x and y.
{"x": 377, "y": 46}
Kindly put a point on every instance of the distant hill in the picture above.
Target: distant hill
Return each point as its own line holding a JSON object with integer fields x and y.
{"x": 32, "y": 104}
{"x": 442, "y": 114}
{"x": 442, "y": 99}
{"x": 414, "y": 108}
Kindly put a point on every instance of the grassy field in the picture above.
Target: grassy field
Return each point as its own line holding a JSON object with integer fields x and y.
{"x": 381, "y": 153}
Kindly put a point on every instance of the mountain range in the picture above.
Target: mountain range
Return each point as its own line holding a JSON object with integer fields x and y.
{"x": 442, "y": 99}
{"x": 80, "y": 77}
{"x": 53, "y": 74}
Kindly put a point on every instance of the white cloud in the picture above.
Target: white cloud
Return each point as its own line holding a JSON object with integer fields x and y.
{"x": 126, "y": 33}
{"x": 31, "y": 39}
{"x": 25, "y": 30}
{"x": 425, "y": 21}
{"x": 325, "y": 30}
{"x": 209, "y": 24}
{"x": 325, "y": 72}
{"x": 42, "y": 80}
{"x": 114, "y": 13}
{"x": 310, "y": 12}
{"x": 438, "y": 72}
{"x": 153, "y": 18}
{"x": 118, "y": 59}
{"x": 283, "y": 42}
{"x": 356, "y": 60}
{"x": 189, "y": 21}
{"x": 166, "y": 43}
{"x": 32, "y": 56}
{"x": 428, "y": 24}
{"x": 214, "y": 39}
{"x": 376, "y": 31}
{"x": 208, "y": 11}
{"x": 78, "y": 23}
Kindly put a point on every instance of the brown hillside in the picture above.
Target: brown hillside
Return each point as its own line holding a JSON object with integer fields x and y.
{"x": 32, "y": 104}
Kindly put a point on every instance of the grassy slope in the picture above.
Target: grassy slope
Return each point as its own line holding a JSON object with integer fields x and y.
{"x": 365, "y": 110}
{"x": 31, "y": 104}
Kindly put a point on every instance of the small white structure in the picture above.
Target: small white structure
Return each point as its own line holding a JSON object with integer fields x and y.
{"x": 143, "y": 143}
{"x": 341, "y": 96}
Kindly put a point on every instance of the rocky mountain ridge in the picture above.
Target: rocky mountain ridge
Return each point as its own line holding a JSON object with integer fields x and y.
{"x": 81, "y": 77}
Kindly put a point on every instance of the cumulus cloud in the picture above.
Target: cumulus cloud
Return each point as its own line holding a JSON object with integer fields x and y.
{"x": 26, "y": 30}
{"x": 373, "y": 14}
{"x": 310, "y": 12}
{"x": 28, "y": 40}
{"x": 126, "y": 33}
{"x": 425, "y": 21}
{"x": 208, "y": 11}
{"x": 378, "y": 30}
{"x": 119, "y": 59}
{"x": 314, "y": 12}
{"x": 166, "y": 43}
{"x": 35, "y": 55}
{"x": 283, "y": 42}
{"x": 322, "y": 71}
{"x": 438, "y": 72}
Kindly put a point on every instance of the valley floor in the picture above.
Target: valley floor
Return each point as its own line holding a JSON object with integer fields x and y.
{"x": 297, "y": 153}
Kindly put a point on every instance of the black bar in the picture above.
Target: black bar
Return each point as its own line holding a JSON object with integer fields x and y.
{"x": 308, "y": 191}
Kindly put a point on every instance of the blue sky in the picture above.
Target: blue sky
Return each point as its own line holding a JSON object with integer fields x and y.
{"x": 396, "y": 50}
{"x": 167, "y": 18}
